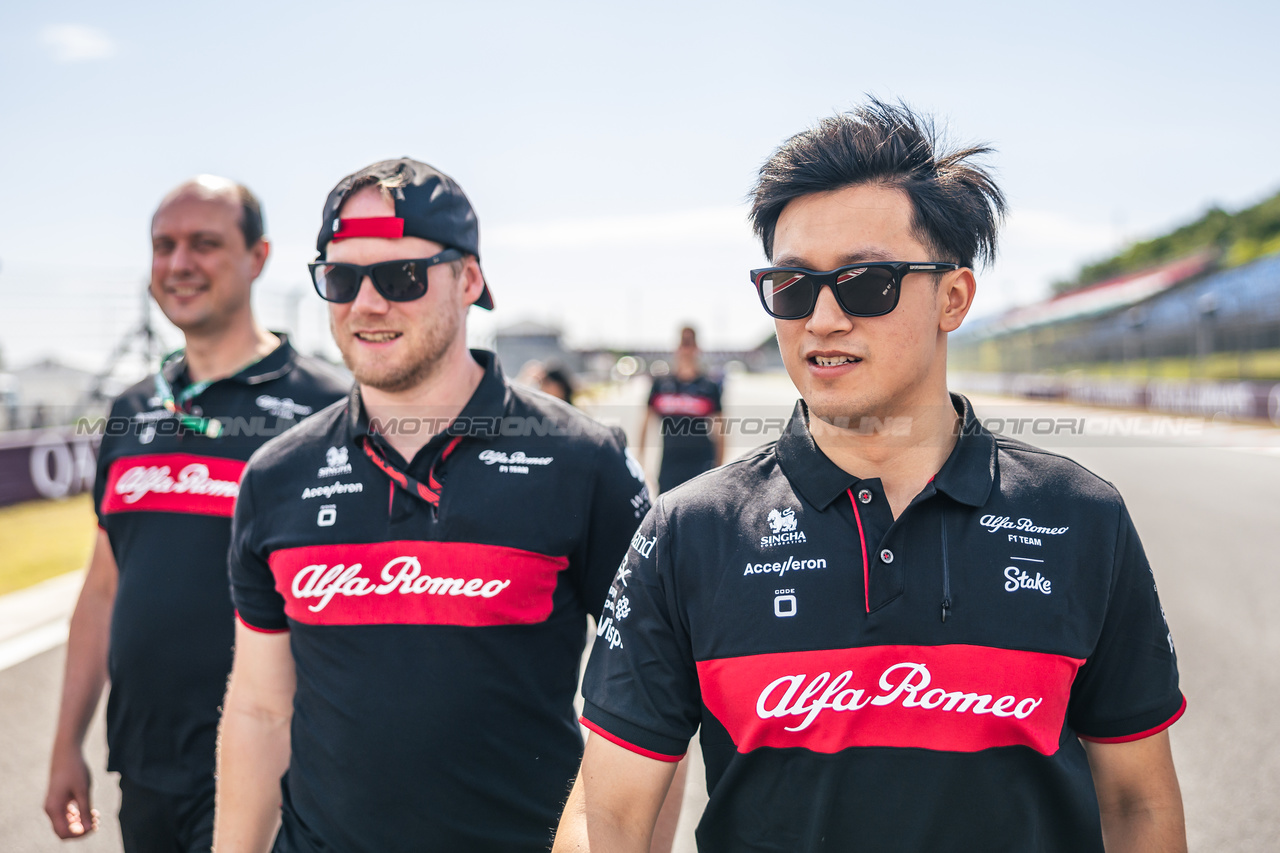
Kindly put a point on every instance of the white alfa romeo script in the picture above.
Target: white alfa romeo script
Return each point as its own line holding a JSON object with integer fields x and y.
{"x": 490, "y": 457}
{"x": 402, "y": 575}
{"x": 996, "y": 523}
{"x": 905, "y": 682}
{"x": 194, "y": 479}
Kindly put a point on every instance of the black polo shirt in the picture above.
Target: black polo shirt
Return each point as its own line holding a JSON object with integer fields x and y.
{"x": 838, "y": 710}
{"x": 164, "y": 494}
{"x": 436, "y": 642}
{"x": 686, "y": 409}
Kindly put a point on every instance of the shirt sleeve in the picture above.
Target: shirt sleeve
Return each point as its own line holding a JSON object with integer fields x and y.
{"x": 618, "y": 501}
{"x": 253, "y": 591}
{"x": 641, "y": 687}
{"x": 654, "y": 390}
{"x": 1128, "y": 688}
{"x": 717, "y": 390}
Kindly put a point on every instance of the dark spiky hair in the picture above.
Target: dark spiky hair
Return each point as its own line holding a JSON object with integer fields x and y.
{"x": 957, "y": 207}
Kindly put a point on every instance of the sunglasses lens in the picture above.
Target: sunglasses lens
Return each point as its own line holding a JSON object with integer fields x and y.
{"x": 336, "y": 283}
{"x": 400, "y": 281}
{"x": 787, "y": 294}
{"x": 866, "y": 291}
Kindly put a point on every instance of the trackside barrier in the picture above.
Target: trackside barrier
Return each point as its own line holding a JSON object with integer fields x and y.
{"x": 1240, "y": 400}
{"x": 46, "y": 463}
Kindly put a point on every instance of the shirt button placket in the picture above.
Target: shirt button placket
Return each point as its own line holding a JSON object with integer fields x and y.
{"x": 886, "y": 556}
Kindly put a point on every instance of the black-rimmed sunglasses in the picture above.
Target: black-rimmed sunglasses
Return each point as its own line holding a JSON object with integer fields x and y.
{"x": 861, "y": 290}
{"x": 398, "y": 281}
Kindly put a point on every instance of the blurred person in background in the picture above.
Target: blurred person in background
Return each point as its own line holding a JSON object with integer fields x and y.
{"x": 406, "y": 660}
{"x": 155, "y": 617}
{"x": 548, "y": 378}
{"x": 687, "y": 403}
{"x": 915, "y": 638}
{"x": 557, "y": 382}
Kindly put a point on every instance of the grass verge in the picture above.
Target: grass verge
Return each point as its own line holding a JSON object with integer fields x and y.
{"x": 43, "y": 539}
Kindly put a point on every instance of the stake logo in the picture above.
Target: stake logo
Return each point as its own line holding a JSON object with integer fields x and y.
{"x": 1016, "y": 579}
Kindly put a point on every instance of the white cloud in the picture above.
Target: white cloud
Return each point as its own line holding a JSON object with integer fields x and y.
{"x": 686, "y": 226}
{"x": 77, "y": 43}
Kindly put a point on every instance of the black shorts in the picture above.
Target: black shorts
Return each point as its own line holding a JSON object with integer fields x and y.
{"x": 154, "y": 821}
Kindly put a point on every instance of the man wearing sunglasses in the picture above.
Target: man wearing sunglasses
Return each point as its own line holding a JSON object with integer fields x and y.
{"x": 893, "y": 628}
{"x": 413, "y": 573}
{"x": 155, "y": 615}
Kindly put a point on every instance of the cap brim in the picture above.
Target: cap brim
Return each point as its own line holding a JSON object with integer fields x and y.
{"x": 486, "y": 299}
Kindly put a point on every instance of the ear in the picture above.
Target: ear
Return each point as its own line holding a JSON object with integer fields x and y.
{"x": 258, "y": 258}
{"x": 955, "y": 298}
{"x": 472, "y": 281}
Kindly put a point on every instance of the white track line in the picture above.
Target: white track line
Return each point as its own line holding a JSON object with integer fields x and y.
{"x": 36, "y": 641}
{"x": 35, "y": 619}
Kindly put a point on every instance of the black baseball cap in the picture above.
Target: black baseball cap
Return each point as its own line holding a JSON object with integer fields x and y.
{"x": 429, "y": 204}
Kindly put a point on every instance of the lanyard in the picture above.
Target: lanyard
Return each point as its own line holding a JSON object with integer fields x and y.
{"x": 176, "y": 403}
{"x": 429, "y": 491}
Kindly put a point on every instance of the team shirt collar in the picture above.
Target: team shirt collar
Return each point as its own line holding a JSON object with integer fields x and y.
{"x": 970, "y": 470}
{"x": 273, "y": 365}
{"x": 966, "y": 476}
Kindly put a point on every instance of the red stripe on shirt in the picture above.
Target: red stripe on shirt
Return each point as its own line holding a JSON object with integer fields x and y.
{"x": 173, "y": 482}
{"x": 627, "y": 745}
{"x": 682, "y": 404}
{"x": 411, "y": 582}
{"x": 866, "y": 567}
{"x": 1155, "y": 730}
{"x": 258, "y": 630}
{"x": 954, "y": 698}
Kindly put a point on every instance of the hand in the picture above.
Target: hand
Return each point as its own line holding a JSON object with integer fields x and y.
{"x": 67, "y": 802}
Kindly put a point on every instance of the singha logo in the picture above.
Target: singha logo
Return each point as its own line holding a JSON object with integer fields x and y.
{"x": 783, "y": 521}
{"x": 336, "y": 463}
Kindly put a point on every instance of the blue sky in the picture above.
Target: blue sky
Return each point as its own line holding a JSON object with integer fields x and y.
{"x": 607, "y": 148}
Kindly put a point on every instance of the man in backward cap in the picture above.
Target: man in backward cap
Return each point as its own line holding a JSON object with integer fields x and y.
{"x": 413, "y": 572}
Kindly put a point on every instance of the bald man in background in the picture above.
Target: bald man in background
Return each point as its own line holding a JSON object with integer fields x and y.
{"x": 155, "y": 614}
